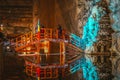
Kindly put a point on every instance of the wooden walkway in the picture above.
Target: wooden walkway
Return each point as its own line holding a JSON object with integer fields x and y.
{"x": 37, "y": 51}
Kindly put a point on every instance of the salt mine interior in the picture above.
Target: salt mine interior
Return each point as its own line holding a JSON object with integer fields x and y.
{"x": 59, "y": 39}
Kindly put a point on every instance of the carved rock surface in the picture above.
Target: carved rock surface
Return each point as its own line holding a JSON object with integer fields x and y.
{"x": 116, "y": 42}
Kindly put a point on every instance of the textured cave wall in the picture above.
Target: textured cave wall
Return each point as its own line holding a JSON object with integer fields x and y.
{"x": 114, "y": 6}
{"x": 83, "y": 12}
{"x": 46, "y": 13}
{"x": 54, "y": 12}
{"x": 68, "y": 13}
{"x": 73, "y": 14}
{"x": 115, "y": 19}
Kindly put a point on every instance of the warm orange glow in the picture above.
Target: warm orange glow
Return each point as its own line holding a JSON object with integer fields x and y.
{"x": 34, "y": 46}
{"x": 46, "y": 48}
{"x": 62, "y": 53}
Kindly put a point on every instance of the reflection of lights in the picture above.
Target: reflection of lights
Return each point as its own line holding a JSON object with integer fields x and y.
{"x": 24, "y": 52}
{"x": 28, "y": 48}
{"x": 90, "y": 33}
{"x": 89, "y": 70}
{"x": 36, "y": 52}
{"x": 75, "y": 66}
{"x": 8, "y": 48}
{"x": 46, "y": 50}
{"x": 1, "y": 26}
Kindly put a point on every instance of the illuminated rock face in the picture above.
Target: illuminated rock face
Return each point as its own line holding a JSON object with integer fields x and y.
{"x": 115, "y": 16}
{"x": 91, "y": 27}
{"x": 89, "y": 36}
{"x": 116, "y": 43}
{"x": 83, "y": 12}
{"x": 116, "y": 67}
{"x": 114, "y": 6}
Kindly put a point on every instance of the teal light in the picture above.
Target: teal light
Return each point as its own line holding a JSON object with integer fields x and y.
{"x": 77, "y": 65}
{"x": 90, "y": 29}
{"x": 89, "y": 70}
{"x": 90, "y": 33}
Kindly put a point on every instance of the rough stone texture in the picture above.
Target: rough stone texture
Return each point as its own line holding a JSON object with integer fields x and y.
{"x": 116, "y": 51}
{"x": 83, "y": 12}
{"x": 15, "y": 14}
{"x": 102, "y": 47}
{"x": 116, "y": 42}
{"x": 115, "y": 19}
{"x": 115, "y": 8}
{"x": 116, "y": 67}
{"x": 104, "y": 66}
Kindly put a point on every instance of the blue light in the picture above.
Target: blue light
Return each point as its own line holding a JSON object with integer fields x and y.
{"x": 89, "y": 70}
{"x": 76, "y": 65}
{"x": 90, "y": 29}
{"x": 90, "y": 33}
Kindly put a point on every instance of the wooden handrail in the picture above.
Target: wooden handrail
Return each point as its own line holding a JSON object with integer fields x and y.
{"x": 28, "y": 38}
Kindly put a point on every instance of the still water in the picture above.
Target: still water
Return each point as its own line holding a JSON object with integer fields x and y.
{"x": 92, "y": 67}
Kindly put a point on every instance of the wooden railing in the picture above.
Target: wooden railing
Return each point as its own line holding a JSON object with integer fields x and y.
{"x": 45, "y": 72}
{"x": 47, "y": 34}
{"x": 53, "y": 71}
{"x": 30, "y": 38}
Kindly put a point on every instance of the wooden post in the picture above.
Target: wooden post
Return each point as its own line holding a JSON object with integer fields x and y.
{"x": 62, "y": 53}
{"x": 46, "y": 48}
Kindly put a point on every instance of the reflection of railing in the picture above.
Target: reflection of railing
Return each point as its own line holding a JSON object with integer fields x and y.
{"x": 75, "y": 66}
{"x": 77, "y": 41}
{"x": 53, "y": 71}
{"x": 45, "y": 73}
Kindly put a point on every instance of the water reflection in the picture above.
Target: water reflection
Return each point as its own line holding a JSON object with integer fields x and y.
{"x": 89, "y": 69}
{"x": 116, "y": 67}
{"x": 97, "y": 67}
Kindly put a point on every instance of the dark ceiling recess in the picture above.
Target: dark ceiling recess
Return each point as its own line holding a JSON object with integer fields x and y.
{"x": 16, "y": 13}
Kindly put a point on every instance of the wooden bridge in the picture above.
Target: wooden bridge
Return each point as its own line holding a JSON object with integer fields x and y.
{"x": 48, "y": 54}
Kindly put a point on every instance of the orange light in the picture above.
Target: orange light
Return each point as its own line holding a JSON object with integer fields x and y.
{"x": 46, "y": 46}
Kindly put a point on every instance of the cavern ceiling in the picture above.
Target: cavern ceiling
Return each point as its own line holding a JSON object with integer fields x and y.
{"x": 19, "y": 16}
